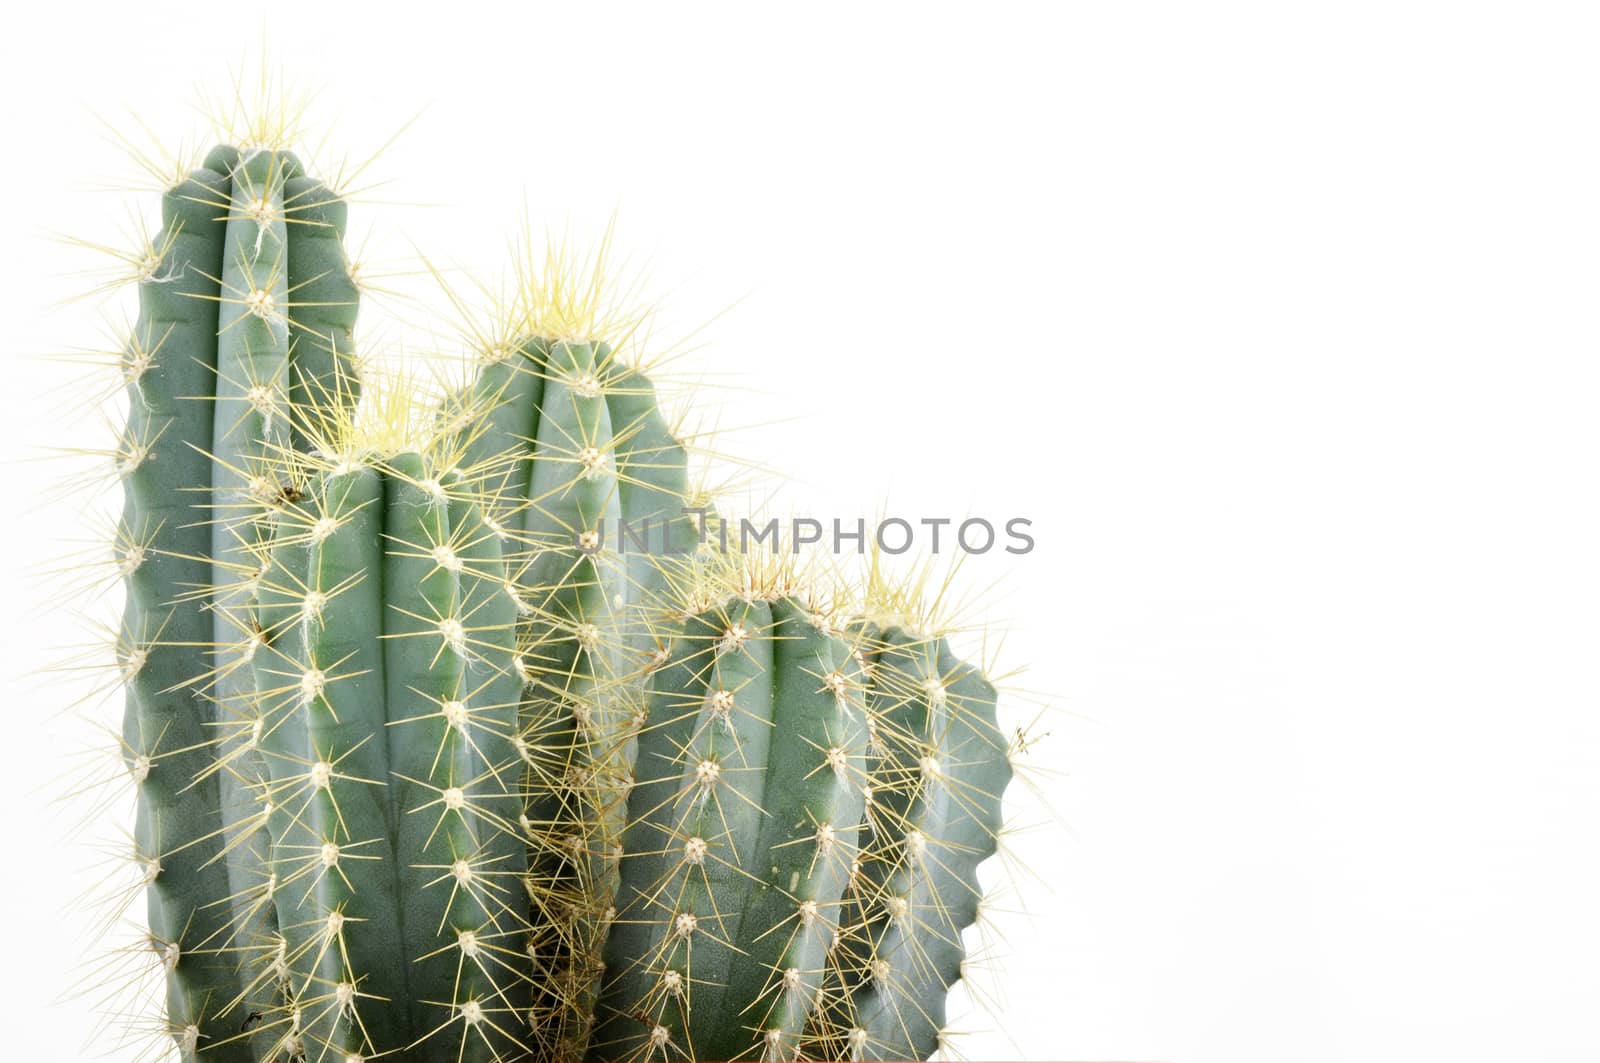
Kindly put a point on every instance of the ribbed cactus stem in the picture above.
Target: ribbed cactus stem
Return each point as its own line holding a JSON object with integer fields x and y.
{"x": 391, "y": 724}
{"x": 577, "y": 594}
{"x": 209, "y": 369}
{"x": 576, "y": 453}
{"x": 456, "y": 787}
{"x": 323, "y": 300}
{"x": 178, "y": 837}
{"x": 251, "y": 427}
{"x": 743, "y": 831}
{"x": 282, "y": 371}
{"x": 322, "y": 607}
{"x": 653, "y": 485}
{"x": 939, "y": 768}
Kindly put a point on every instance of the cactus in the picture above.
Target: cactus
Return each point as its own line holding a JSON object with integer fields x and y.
{"x": 171, "y": 356}
{"x": 283, "y": 375}
{"x": 436, "y": 760}
{"x": 814, "y": 796}
{"x": 551, "y": 407}
{"x": 389, "y": 707}
{"x": 939, "y": 766}
{"x": 582, "y": 465}
{"x": 742, "y": 833}
{"x": 227, "y": 338}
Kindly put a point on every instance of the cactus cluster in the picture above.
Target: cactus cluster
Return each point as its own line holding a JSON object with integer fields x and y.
{"x": 431, "y": 766}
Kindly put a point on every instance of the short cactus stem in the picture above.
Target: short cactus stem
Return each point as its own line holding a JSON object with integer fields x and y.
{"x": 940, "y": 767}
{"x": 751, "y": 941}
{"x": 396, "y": 800}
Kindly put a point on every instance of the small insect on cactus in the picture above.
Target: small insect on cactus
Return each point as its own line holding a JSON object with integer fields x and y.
{"x": 242, "y": 344}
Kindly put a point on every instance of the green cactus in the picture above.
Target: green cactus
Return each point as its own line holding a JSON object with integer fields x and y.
{"x": 283, "y": 375}
{"x": 223, "y": 335}
{"x": 939, "y": 766}
{"x": 438, "y": 758}
{"x": 813, "y": 799}
{"x": 164, "y": 541}
{"x": 389, "y": 705}
{"x": 743, "y": 830}
{"x": 582, "y": 466}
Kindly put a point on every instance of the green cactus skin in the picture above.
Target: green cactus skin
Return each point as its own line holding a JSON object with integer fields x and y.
{"x": 178, "y": 829}
{"x": 576, "y": 443}
{"x": 939, "y": 768}
{"x": 653, "y": 482}
{"x": 612, "y": 460}
{"x": 577, "y": 805}
{"x": 250, "y": 427}
{"x": 323, "y": 302}
{"x": 390, "y": 708}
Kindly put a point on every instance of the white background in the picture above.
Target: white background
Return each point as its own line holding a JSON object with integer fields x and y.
{"x": 1278, "y": 320}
